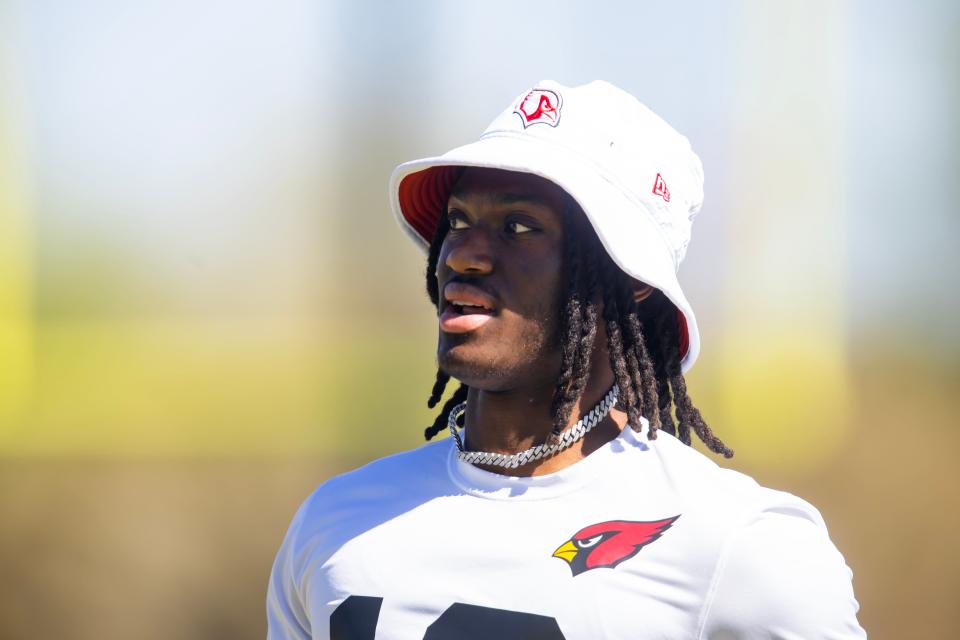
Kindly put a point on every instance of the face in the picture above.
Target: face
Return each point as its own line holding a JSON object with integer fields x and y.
{"x": 500, "y": 273}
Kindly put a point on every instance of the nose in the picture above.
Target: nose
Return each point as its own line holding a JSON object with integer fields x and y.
{"x": 470, "y": 253}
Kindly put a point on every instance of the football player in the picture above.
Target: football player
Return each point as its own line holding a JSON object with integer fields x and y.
{"x": 567, "y": 502}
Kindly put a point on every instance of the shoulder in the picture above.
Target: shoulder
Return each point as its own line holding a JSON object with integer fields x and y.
{"x": 400, "y": 471}
{"x": 727, "y": 497}
{"x": 336, "y": 512}
{"x": 775, "y": 570}
{"x": 360, "y": 499}
{"x": 780, "y": 571}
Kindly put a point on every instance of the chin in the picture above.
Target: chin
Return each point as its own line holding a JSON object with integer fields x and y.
{"x": 474, "y": 368}
{"x": 495, "y": 370}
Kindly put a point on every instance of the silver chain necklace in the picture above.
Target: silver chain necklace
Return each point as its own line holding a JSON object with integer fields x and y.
{"x": 513, "y": 460}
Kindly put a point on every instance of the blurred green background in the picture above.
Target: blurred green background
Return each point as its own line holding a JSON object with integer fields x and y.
{"x": 206, "y": 308}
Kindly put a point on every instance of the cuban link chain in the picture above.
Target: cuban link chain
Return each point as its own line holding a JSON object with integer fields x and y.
{"x": 511, "y": 461}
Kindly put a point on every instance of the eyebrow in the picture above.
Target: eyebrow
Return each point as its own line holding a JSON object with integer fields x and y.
{"x": 506, "y": 198}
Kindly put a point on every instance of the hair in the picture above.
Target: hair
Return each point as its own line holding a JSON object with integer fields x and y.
{"x": 643, "y": 342}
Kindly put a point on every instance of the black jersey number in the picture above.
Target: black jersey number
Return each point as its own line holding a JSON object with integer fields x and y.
{"x": 356, "y": 619}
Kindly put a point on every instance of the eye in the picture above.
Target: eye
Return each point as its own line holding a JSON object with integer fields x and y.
{"x": 518, "y": 227}
{"x": 457, "y": 220}
{"x": 585, "y": 544}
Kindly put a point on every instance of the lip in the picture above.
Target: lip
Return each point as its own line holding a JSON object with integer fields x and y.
{"x": 453, "y": 319}
{"x": 468, "y": 293}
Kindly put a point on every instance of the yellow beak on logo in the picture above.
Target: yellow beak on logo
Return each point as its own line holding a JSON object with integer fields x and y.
{"x": 567, "y": 551}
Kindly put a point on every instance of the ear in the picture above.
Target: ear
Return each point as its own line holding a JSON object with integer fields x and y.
{"x": 641, "y": 291}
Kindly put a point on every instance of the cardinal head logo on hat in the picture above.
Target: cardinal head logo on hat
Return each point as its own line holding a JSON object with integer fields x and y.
{"x": 539, "y": 106}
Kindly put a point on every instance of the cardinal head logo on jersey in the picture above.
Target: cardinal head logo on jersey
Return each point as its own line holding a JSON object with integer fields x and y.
{"x": 539, "y": 106}
{"x": 607, "y": 544}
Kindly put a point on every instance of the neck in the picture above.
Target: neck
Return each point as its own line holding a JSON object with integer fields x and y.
{"x": 515, "y": 420}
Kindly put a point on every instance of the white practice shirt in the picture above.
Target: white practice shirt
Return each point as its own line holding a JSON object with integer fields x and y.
{"x": 642, "y": 539}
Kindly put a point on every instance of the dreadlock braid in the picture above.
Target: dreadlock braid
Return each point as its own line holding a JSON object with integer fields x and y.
{"x": 633, "y": 366}
{"x": 656, "y": 316}
{"x": 634, "y": 351}
{"x": 588, "y": 331}
{"x": 438, "y": 387}
{"x": 563, "y": 396}
{"x": 694, "y": 419}
{"x": 663, "y": 319}
{"x": 645, "y": 379}
{"x": 433, "y": 292}
{"x": 664, "y": 404}
{"x": 579, "y": 320}
{"x": 625, "y": 384}
{"x": 642, "y": 341}
{"x": 440, "y": 423}
{"x": 433, "y": 254}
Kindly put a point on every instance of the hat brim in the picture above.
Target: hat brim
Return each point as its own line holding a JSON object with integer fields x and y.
{"x": 419, "y": 191}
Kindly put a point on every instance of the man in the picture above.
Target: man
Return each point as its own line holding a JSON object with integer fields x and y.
{"x": 567, "y": 503}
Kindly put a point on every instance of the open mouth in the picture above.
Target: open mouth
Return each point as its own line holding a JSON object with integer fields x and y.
{"x": 467, "y": 308}
{"x": 464, "y": 307}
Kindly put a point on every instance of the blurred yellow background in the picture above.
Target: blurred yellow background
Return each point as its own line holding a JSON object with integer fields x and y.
{"x": 206, "y": 307}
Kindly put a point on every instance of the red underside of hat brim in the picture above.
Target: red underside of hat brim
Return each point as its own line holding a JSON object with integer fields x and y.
{"x": 424, "y": 194}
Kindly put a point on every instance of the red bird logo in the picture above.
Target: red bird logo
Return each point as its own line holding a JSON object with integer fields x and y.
{"x": 607, "y": 544}
{"x": 539, "y": 106}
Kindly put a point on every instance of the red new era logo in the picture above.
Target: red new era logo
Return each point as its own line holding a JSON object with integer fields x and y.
{"x": 660, "y": 188}
{"x": 539, "y": 106}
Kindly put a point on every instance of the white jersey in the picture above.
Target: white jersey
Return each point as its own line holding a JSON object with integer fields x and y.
{"x": 641, "y": 539}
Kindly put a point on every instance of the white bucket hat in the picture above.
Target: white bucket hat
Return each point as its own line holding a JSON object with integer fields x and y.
{"x": 636, "y": 179}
